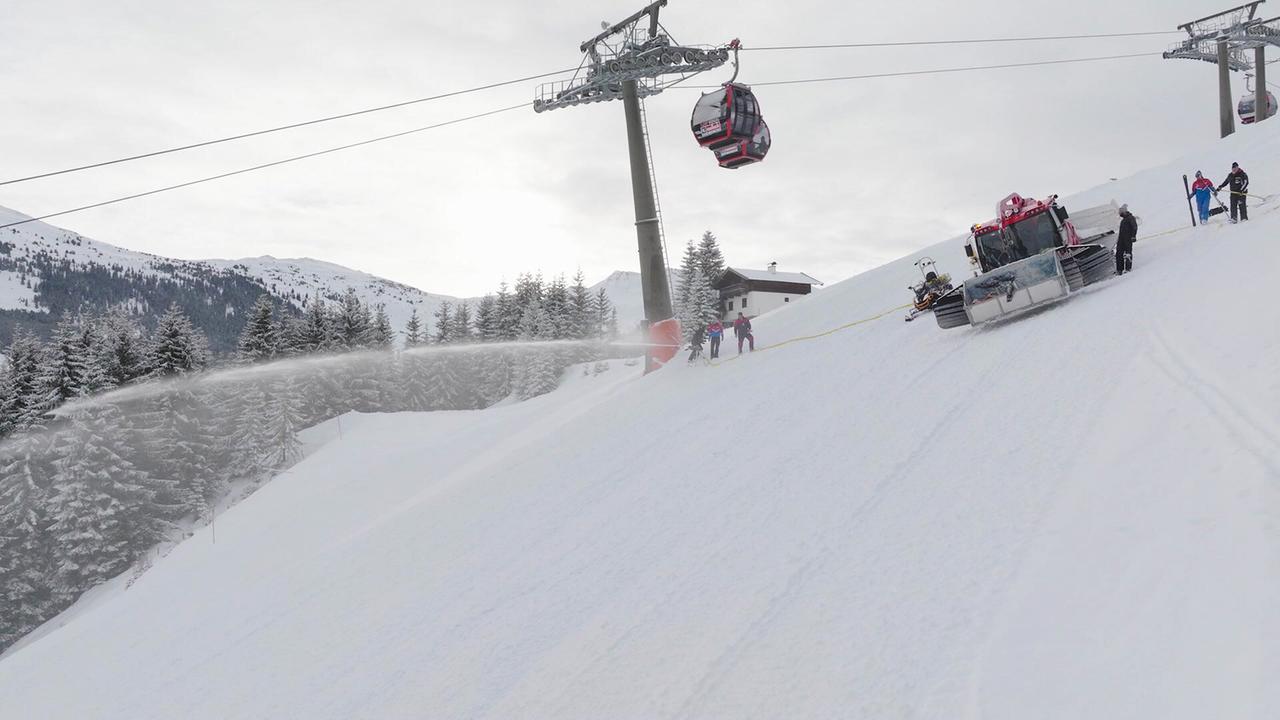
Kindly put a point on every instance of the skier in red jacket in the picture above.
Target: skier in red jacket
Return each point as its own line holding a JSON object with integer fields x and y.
{"x": 1201, "y": 189}
{"x": 715, "y": 331}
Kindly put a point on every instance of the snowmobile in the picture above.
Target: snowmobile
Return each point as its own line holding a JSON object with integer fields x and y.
{"x": 1030, "y": 255}
{"x": 929, "y": 290}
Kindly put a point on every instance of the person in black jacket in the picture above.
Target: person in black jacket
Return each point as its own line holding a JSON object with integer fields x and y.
{"x": 695, "y": 343}
{"x": 1239, "y": 182}
{"x": 1124, "y": 241}
{"x": 742, "y": 329}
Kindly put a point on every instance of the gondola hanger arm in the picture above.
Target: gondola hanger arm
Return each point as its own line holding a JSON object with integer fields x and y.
{"x": 735, "y": 45}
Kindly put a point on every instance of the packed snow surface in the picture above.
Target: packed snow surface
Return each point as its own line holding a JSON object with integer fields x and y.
{"x": 1068, "y": 515}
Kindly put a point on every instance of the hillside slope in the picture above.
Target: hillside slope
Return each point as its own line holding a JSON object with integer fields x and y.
{"x": 1064, "y": 516}
{"x": 46, "y": 270}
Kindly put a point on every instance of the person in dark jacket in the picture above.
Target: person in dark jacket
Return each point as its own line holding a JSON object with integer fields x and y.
{"x": 742, "y": 330}
{"x": 695, "y": 343}
{"x": 1124, "y": 241}
{"x": 1239, "y": 182}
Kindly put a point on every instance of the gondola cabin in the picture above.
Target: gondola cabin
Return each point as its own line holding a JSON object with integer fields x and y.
{"x": 1247, "y": 109}
{"x": 728, "y": 122}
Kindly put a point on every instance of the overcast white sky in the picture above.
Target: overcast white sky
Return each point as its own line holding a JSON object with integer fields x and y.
{"x": 860, "y": 172}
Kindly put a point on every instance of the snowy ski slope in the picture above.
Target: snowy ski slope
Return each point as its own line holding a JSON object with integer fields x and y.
{"x": 1070, "y": 515}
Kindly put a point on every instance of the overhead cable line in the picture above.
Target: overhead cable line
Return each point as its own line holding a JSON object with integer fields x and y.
{"x": 280, "y": 128}
{"x": 264, "y": 166}
{"x": 969, "y": 41}
{"x": 937, "y": 71}
{"x": 521, "y": 105}
{"x": 380, "y": 108}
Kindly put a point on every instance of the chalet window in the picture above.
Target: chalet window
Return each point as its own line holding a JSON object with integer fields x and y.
{"x": 730, "y": 304}
{"x": 744, "y": 302}
{"x": 786, "y": 299}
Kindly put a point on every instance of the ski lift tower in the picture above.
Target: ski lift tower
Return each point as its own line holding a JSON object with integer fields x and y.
{"x": 630, "y": 60}
{"x": 1224, "y": 39}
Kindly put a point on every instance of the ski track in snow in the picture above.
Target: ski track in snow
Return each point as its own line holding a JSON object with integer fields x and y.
{"x": 1072, "y": 514}
{"x": 1263, "y": 444}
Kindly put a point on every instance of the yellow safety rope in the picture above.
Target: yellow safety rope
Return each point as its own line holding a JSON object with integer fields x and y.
{"x": 832, "y": 331}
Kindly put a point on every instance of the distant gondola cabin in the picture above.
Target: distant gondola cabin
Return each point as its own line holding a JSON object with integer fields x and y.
{"x": 755, "y": 292}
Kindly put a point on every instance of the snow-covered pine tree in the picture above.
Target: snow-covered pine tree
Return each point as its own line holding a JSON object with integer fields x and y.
{"x": 366, "y": 318}
{"x": 315, "y": 332}
{"x": 686, "y": 310}
{"x": 486, "y": 325}
{"x": 365, "y": 383}
{"x": 176, "y": 347}
{"x": 386, "y": 364}
{"x": 414, "y": 334}
{"x": 321, "y": 394}
{"x": 25, "y": 479}
{"x": 65, "y": 369}
{"x": 382, "y": 337}
{"x": 9, "y": 407}
{"x": 557, "y": 306}
{"x": 96, "y": 379}
{"x": 444, "y": 388}
{"x": 696, "y": 303}
{"x": 258, "y": 339}
{"x": 288, "y": 331}
{"x": 466, "y": 368}
{"x": 182, "y": 449}
{"x": 538, "y": 370}
{"x": 26, "y": 358}
{"x": 529, "y": 289}
{"x": 136, "y": 426}
{"x": 492, "y": 365}
{"x": 462, "y": 330}
{"x": 98, "y": 506}
{"x": 704, "y": 301}
{"x": 247, "y": 442}
{"x": 506, "y": 310}
{"x": 605, "y": 324}
{"x": 580, "y": 308}
{"x": 219, "y": 408}
{"x": 283, "y": 423}
{"x": 493, "y": 376}
{"x": 412, "y": 370}
{"x": 123, "y": 352}
{"x": 353, "y": 321}
{"x": 710, "y": 259}
{"x": 444, "y": 323}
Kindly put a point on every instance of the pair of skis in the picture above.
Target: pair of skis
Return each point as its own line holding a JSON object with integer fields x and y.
{"x": 1212, "y": 211}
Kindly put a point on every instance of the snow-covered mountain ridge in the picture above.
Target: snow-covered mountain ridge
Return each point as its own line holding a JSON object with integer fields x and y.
{"x": 45, "y": 270}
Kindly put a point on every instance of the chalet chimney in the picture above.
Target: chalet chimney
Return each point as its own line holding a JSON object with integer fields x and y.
{"x": 773, "y": 267}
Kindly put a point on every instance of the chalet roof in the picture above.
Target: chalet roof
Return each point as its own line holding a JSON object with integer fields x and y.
{"x": 767, "y": 276}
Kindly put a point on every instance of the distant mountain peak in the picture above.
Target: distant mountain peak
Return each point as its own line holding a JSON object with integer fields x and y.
{"x": 216, "y": 292}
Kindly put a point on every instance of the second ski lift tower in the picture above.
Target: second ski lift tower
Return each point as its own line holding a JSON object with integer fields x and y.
{"x": 1224, "y": 39}
{"x": 630, "y": 60}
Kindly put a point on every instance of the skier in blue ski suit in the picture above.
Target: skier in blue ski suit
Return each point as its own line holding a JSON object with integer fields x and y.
{"x": 1202, "y": 188}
